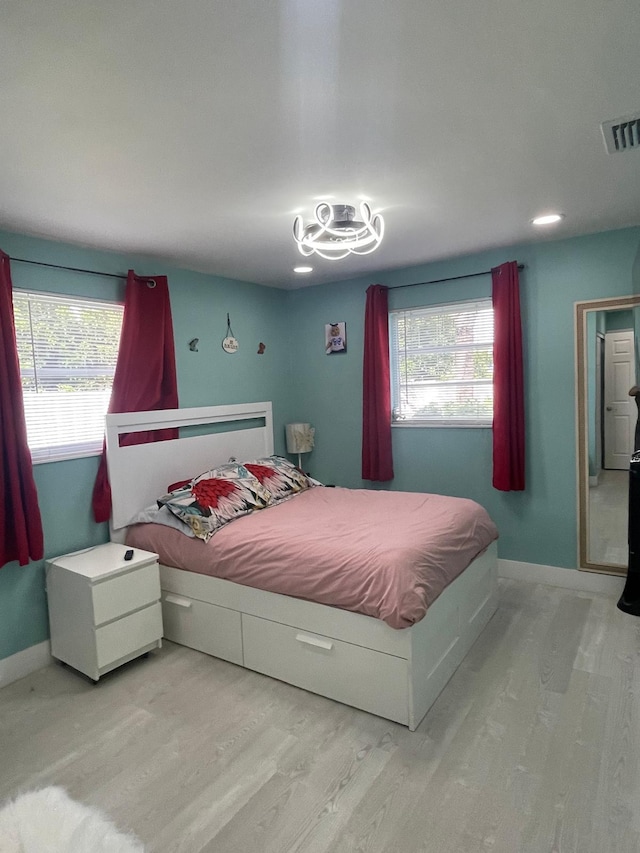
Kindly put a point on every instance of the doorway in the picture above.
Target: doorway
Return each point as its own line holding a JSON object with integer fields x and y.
{"x": 619, "y": 408}
{"x": 603, "y": 491}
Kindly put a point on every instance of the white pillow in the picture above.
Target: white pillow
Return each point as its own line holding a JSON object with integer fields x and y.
{"x": 162, "y": 515}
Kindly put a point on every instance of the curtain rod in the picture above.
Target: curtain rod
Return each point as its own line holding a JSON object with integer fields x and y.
{"x": 452, "y": 278}
{"x": 122, "y": 275}
{"x": 71, "y": 269}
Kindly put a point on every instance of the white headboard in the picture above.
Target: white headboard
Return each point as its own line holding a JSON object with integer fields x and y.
{"x": 140, "y": 473}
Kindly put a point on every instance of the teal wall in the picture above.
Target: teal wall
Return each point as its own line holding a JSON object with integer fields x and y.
{"x": 536, "y": 526}
{"x": 199, "y": 306}
{"x": 616, "y": 321}
{"x": 539, "y": 524}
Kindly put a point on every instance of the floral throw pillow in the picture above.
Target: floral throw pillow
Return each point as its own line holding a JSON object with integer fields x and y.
{"x": 281, "y": 478}
{"x": 215, "y": 498}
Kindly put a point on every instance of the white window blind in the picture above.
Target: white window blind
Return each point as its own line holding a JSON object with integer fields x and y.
{"x": 67, "y": 349}
{"x": 442, "y": 364}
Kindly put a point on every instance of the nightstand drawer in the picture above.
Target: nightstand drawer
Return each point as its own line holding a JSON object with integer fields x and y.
{"x": 135, "y": 631}
{"x": 124, "y": 593}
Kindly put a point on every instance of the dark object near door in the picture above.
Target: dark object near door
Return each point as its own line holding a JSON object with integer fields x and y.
{"x": 630, "y": 599}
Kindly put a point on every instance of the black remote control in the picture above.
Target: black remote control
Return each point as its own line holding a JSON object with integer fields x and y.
{"x": 128, "y": 555}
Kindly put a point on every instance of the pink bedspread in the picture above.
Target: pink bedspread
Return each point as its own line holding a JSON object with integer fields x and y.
{"x": 385, "y": 554}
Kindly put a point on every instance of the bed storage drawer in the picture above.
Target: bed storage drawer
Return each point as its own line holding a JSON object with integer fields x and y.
{"x": 205, "y": 627}
{"x": 366, "y": 679}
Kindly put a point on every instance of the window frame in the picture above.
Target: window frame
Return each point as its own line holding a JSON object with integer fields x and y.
{"x": 81, "y": 448}
{"x": 394, "y": 375}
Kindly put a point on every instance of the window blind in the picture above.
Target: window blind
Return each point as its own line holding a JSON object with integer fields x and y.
{"x": 67, "y": 349}
{"x": 442, "y": 363}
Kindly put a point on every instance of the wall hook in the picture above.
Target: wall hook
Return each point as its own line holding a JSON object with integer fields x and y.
{"x": 193, "y": 344}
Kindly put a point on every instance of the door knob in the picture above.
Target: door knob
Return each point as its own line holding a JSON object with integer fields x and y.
{"x": 609, "y": 408}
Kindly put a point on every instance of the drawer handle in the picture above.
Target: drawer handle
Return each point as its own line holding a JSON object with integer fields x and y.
{"x": 175, "y": 599}
{"x": 314, "y": 641}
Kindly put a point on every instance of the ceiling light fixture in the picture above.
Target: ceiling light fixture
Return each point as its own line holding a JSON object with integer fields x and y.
{"x": 336, "y": 232}
{"x": 549, "y": 219}
{"x": 303, "y": 269}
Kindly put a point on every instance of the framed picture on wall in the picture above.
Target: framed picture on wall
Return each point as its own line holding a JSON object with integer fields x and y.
{"x": 335, "y": 338}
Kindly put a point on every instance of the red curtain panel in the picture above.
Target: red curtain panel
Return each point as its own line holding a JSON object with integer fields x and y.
{"x": 145, "y": 376}
{"x": 508, "y": 381}
{"x": 21, "y": 536}
{"x": 377, "y": 454}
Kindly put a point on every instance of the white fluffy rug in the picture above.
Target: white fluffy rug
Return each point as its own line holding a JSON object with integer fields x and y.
{"x": 47, "y": 821}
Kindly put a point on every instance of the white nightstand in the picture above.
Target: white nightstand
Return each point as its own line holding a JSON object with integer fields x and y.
{"x": 103, "y": 609}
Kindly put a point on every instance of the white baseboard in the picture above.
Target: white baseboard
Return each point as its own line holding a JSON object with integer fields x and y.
{"x": 24, "y": 662}
{"x": 557, "y": 576}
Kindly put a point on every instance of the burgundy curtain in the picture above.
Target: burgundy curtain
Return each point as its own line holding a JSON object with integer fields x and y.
{"x": 508, "y": 382}
{"x": 20, "y": 524}
{"x": 377, "y": 455}
{"x": 145, "y": 376}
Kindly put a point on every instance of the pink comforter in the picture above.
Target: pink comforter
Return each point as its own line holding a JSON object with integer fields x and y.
{"x": 385, "y": 554}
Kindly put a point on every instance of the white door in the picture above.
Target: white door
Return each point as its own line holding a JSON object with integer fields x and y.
{"x": 619, "y": 407}
{"x": 599, "y": 404}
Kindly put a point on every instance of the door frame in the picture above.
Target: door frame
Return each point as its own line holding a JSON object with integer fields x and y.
{"x": 599, "y": 408}
{"x": 582, "y": 449}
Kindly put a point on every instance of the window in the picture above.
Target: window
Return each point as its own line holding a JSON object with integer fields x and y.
{"x": 442, "y": 364}
{"x": 67, "y": 349}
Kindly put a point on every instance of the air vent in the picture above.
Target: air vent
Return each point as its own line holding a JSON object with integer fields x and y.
{"x": 622, "y": 134}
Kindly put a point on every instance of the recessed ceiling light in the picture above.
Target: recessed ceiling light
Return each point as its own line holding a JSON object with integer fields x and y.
{"x": 548, "y": 219}
{"x": 303, "y": 269}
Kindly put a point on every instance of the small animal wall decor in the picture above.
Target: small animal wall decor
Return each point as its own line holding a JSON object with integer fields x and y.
{"x": 261, "y": 348}
{"x": 335, "y": 338}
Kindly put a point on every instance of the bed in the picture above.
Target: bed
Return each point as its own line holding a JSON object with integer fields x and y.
{"x": 348, "y": 656}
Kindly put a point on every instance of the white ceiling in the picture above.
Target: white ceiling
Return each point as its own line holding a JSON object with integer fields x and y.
{"x": 195, "y": 130}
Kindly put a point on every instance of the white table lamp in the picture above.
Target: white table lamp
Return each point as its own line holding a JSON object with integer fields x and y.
{"x": 299, "y": 439}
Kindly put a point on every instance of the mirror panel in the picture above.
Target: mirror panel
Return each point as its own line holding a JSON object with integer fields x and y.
{"x": 607, "y": 338}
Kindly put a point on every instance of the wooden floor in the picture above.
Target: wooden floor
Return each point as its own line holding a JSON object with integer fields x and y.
{"x": 609, "y": 519}
{"x": 533, "y": 746}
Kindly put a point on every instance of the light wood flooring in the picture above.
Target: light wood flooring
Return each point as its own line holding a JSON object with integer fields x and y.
{"x": 533, "y": 746}
{"x": 609, "y": 519}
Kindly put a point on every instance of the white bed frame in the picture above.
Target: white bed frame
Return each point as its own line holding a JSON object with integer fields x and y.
{"x": 355, "y": 659}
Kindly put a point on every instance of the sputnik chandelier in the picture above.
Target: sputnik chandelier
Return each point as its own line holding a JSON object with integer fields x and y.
{"x": 336, "y": 232}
